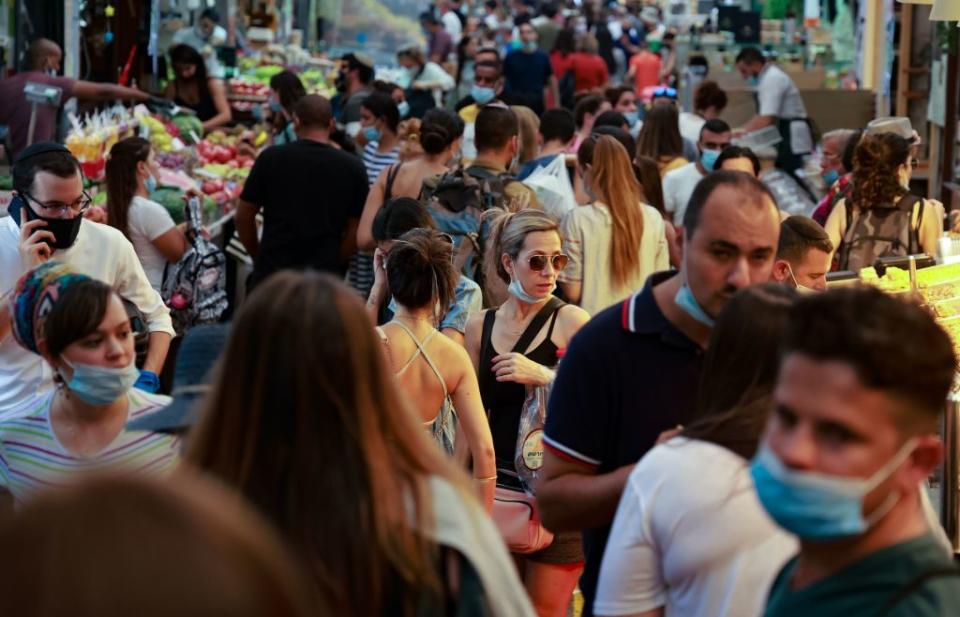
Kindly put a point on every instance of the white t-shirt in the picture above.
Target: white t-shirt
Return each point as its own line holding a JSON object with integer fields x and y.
{"x": 678, "y": 186}
{"x": 99, "y": 251}
{"x": 690, "y": 126}
{"x": 777, "y": 95}
{"x": 691, "y": 535}
{"x": 586, "y": 233}
{"x": 147, "y": 221}
{"x": 451, "y": 23}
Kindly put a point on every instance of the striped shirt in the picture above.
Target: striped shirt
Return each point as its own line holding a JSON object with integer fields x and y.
{"x": 360, "y": 270}
{"x": 33, "y": 460}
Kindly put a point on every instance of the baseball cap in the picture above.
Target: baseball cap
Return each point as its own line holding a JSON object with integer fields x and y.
{"x": 898, "y": 125}
{"x": 198, "y": 353}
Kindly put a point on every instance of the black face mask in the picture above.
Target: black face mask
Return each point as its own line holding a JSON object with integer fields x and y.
{"x": 341, "y": 82}
{"x": 64, "y": 230}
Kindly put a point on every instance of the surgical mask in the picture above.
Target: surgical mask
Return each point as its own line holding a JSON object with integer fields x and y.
{"x": 275, "y": 106}
{"x": 687, "y": 302}
{"x": 753, "y": 81}
{"x": 530, "y": 46}
{"x": 101, "y": 385}
{"x": 516, "y": 290}
{"x": 403, "y": 108}
{"x": 708, "y": 158}
{"x": 815, "y": 506}
{"x": 371, "y": 133}
{"x": 150, "y": 183}
{"x": 830, "y": 177}
{"x": 801, "y": 289}
{"x": 632, "y": 117}
{"x": 64, "y": 230}
{"x": 482, "y": 95}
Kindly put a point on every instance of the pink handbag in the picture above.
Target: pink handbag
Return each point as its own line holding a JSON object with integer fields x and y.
{"x": 518, "y": 519}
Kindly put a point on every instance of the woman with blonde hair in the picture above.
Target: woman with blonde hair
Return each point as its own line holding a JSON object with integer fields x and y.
{"x": 529, "y": 128}
{"x": 305, "y": 419}
{"x": 615, "y": 242}
{"x": 514, "y": 347}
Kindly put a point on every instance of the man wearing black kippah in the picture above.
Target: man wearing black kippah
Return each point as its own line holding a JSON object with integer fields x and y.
{"x": 46, "y": 222}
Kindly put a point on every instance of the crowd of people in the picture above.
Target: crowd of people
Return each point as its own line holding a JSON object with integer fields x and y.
{"x": 519, "y": 330}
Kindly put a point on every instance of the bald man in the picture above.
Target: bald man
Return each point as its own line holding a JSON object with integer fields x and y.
{"x": 44, "y": 57}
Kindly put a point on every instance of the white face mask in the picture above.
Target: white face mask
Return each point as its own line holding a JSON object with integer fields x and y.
{"x": 801, "y": 289}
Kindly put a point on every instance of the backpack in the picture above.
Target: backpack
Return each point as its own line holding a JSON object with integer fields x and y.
{"x": 195, "y": 287}
{"x": 885, "y": 230}
{"x": 456, "y": 201}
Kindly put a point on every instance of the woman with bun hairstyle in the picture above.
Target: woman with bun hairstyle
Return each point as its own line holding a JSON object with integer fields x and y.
{"x": 440, "y": 133}
{"x": 517, "y": 346}
{"x": 81, "y": 329}
{"x": 883, "y": 207}
{"x": 616, "y": 241}
{"x": 433, "y": 371}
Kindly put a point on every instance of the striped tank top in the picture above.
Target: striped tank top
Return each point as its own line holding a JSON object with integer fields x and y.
{"x": 33, "y": 460}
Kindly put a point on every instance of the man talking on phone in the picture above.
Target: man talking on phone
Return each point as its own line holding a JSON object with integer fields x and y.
{"x": 46, "y": 222}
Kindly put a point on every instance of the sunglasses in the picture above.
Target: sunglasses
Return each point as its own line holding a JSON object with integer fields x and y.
{"x": 668, "y": 92}
{"x": 539, "y": 262}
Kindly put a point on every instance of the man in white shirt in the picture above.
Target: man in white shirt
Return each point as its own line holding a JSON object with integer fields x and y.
{"x": 206, "y": 36}
{"x": 678, "y": 184}
{"x": 451, "y": 23}
{"x": 48, "y": 194}
{"x": 778, "y": 104}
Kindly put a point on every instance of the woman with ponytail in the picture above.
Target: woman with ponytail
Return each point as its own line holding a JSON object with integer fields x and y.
{"x": 517, "y": 346}
{"x": 131, "y": 177}
{"x": 440, "y": 134}
{"x": 434, "y": 372}
{"x": 615, "y": 242}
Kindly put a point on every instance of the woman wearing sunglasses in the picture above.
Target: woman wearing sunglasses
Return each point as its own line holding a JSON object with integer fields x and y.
{"x": 615, "y": 242}
{"x": 433, "y": 371}
{"x": 516, "y": 346}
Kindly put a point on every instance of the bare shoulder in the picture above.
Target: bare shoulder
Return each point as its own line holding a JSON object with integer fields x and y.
{"x": 569, "y": 320}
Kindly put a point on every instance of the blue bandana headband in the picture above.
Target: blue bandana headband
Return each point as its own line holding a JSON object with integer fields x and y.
{"x": 36, "y": 294}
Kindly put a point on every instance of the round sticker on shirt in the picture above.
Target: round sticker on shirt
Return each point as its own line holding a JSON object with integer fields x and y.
{"x": 533, "y": 449}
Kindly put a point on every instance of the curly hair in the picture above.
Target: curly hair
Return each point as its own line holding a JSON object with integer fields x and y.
{"x": 875, "y": 164}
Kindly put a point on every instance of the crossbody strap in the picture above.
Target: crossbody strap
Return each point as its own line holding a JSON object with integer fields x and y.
{"x": 552, "y": 305}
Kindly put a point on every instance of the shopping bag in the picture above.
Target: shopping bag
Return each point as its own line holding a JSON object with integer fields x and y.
{"x": 551, "y": 183}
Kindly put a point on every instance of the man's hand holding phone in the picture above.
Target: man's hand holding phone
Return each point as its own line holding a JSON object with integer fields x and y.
{"x": 34, "y": 247}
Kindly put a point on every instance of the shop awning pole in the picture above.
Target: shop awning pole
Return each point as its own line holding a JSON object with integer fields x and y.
{"x": 950, "y": 483}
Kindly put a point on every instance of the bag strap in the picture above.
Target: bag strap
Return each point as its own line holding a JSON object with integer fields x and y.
{"x": 488, "y": 320}
{"x": 391, "y": 176}
{"x": 914, "y": 585}
{"x": 552, "y": 306}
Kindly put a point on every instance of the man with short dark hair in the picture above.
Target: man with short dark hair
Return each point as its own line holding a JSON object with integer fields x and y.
{"x": 803, "y": 254}
{"x": 311, "y": 195}
{"x": 849, "y": 446}
{"x": 44, "y": 57}
{"x": 206, "y": 36}
{"x": 678, "y": 184}
{"x": 46, "y": 222}
{"x": 528, "y": 73}
{"x": 778, "y": 104}
{"x": 633, "y": 371}
{"x": 487, "y": 88}
{"x": 439, "y": 42}
{"x": 354, "y": 83}
{"x": 557, "y": 130}
{"x": 547, "y": 26}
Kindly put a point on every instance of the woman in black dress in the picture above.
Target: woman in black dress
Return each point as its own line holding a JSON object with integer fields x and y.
{"x": 193, "y": 88}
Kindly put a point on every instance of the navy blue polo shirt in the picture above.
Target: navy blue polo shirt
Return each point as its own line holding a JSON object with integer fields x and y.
{"x": 627, "y": 376}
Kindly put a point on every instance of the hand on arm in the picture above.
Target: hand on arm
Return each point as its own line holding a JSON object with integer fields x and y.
{"x": 378, "y": 292}
{"x": 33, "y": 248}
{"x": 518, "y": 368}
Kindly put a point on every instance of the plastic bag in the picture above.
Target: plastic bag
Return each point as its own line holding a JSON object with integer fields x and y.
{"x": 529, "y": 457}
{"x": 551, "y": 183}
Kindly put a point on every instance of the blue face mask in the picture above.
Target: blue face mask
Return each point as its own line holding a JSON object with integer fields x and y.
{"x": 530, "y": 46}
{"x": 632, "y": 117}
{"x": 403, "y": 108}
{"x": 516, "y": 290}
{"x": 101, "y": 385}
{"x": 275, "y": 106}
{"x": 482, "y": 95}
{"x": 689, "y": 305}
{"x": 150, "y": 183}
{"x": 753, "y": 81}
{"x": 370, "y": 133}
{"x": 816, "y": 506}
{"x": 708, "y": 158}
{"x": 830, "y": 177}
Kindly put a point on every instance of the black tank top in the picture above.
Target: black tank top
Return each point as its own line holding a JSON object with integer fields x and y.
{"x": 205, "y": 107}
{"x": 503, "y": 400}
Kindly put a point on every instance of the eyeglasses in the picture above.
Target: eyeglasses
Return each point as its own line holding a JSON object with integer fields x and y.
{"x": 61, "y": 210}
{"x": 539, "y": 262}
